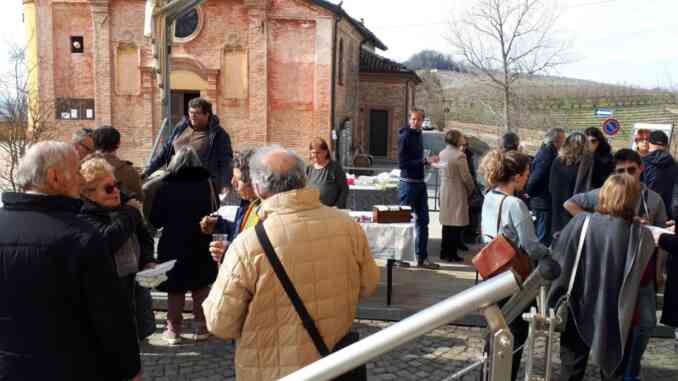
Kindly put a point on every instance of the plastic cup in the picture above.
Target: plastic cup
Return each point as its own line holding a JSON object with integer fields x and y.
{"x": 219, "y": 237}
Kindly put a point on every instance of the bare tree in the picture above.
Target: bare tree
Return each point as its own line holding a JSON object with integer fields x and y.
{"x": 505, "y": 40}
{"x": 23, "y": 117}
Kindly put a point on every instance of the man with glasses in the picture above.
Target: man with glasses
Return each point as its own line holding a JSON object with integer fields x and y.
{"x": 650, "y": 210}
{"x": 83, "y": 142}
{"x": 201, "y": 131}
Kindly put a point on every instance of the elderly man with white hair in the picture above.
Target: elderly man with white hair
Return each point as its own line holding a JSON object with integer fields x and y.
{"x": 62, "y": 315}
{"x": 325, "y": 255}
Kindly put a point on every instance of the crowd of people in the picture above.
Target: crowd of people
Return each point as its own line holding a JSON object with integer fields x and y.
{"x": 620, "y": 265}
{"x": 84, "y": 224}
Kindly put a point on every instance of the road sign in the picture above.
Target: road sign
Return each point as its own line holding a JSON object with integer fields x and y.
{"x": 611, "y": 126}
{"x": 604, "y": 112}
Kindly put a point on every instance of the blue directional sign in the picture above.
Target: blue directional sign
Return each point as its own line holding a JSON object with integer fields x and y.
{"x": 604, "y": 112}
{"x": 611, "y": 126}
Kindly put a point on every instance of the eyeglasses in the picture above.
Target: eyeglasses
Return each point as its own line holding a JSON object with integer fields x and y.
{"x": 629, "y": 170}
{"x": 111, "y": 188}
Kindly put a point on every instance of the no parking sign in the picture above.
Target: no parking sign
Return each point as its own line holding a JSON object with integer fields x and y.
{"x": 611, "y": 126}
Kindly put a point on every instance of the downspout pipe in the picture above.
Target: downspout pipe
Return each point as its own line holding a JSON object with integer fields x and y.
{"x": 333, "y": 90}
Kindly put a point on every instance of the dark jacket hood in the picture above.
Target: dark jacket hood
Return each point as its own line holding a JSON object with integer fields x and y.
{"x": 660, "y": 159}
{"x": 24, "y": 201}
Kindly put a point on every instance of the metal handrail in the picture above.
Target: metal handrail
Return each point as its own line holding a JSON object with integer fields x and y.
{"x": 453, "y": 308}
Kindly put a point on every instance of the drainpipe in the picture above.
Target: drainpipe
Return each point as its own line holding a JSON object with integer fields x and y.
{"x": 407, "y": 99}
{"x": 333, "y": 90}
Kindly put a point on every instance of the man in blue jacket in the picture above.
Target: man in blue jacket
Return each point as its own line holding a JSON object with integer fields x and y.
{"x": 201, "y": 130}
{"x": 412, "y": 188}
{"x": 538, "y": 184}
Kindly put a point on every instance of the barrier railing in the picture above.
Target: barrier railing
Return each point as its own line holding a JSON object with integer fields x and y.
{"x": 480, "y": 297}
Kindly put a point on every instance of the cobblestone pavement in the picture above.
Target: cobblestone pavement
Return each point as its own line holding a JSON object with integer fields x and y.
{"x": 435, "y": 356}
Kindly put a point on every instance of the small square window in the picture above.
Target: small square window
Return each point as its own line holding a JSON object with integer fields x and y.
{"x": 77, "y": 45}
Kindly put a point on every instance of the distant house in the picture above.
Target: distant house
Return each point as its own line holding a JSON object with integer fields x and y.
{"x": 276, "y": 71}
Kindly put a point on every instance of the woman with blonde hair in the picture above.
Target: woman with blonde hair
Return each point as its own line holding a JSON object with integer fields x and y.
{"x": 571, "y": 173}
{"x": 606, "y": 275}
{"x": 118, "y": 219}
{"x": 503, "y": 213}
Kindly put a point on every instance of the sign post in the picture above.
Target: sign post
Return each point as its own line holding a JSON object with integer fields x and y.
{"x": 611, "y": 126}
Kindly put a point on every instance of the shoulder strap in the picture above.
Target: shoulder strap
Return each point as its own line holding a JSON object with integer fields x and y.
{"x": 292, "y": 294}
{"x": 501, "y": 206}
{"x": 582, "y": 238}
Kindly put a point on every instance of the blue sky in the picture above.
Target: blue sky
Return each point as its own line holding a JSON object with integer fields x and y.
{"x": 615, "y": 41}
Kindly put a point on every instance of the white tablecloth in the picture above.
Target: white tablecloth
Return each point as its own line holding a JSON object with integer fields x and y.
{"x": 387, "y": 241}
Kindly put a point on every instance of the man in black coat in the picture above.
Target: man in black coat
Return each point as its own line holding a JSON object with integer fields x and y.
{"x": 202, "y": 131}
{"x": 660, "y": 168}
{"x": 62, "y": 313}
{"x": 538, "y": 183}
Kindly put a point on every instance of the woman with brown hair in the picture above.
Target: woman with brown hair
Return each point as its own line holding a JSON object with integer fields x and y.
{"x": 456, "y": 184}
{"x": 503, "y": 213}
{"x": 641, "y": 140}
{"x": 326, "y": 175}
{"x": 606, "y": 281}
{"x": 571, "y": 173}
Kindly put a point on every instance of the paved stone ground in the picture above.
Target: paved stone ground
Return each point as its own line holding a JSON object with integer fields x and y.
{"x": 435, "y": 356}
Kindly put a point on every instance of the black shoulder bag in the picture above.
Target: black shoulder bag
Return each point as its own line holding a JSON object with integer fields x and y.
{"x": 357, "y": 374}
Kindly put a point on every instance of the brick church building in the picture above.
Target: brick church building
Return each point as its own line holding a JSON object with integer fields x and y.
{"x": 276, "y": 71}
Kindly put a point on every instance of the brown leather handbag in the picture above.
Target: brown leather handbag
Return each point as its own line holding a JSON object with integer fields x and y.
{"x": 501, "y": 254}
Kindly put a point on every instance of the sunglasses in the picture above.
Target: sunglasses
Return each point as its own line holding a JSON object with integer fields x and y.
{"x": 629, "y": 170}
{"x": 593, "y": 140}
{"x": 111, "y": 188}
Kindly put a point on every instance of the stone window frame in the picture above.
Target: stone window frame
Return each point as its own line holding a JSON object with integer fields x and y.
{"x": 198, "y": 28}
{"x": 126, "y": 44}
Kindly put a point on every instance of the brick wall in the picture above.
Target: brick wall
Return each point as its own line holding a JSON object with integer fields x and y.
{"x": 382, "y": 92}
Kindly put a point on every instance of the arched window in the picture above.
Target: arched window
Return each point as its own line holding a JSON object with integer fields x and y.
{"x": 340, "y": 62}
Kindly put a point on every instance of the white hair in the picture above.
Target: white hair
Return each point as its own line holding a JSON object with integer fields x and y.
{"x": 40, "y": 157}
{"x": 273, "y": 181}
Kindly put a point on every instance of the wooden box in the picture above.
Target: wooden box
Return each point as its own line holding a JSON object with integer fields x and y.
{"x": 389, "y": 214}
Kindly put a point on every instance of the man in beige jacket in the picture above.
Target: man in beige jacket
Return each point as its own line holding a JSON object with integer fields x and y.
{"x": 326, "y": 256}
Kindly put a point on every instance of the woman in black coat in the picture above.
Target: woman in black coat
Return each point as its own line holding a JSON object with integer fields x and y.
{"x": 119, "y": 221}
{"x": 603, "y": 163}
{"x": 570, "y": 175}
{"x": 184, "y": 196}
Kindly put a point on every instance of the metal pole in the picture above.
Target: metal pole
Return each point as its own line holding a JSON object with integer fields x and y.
{"x": 450, "y": 309}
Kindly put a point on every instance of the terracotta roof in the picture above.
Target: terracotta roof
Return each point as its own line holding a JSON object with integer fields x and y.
{"x": 373, "y": 63}
{"x": 338, "y": 10}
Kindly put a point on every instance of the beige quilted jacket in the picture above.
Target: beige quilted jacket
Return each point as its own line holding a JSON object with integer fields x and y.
{"x": 326, "y": 256}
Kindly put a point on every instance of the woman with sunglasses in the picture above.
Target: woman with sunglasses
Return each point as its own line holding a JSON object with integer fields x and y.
{"x": 119, "y": 221}
{"x": 603, "y": 164}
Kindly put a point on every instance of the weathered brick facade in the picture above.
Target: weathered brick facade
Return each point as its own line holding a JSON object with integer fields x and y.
{"x": 266, "y": 65}
{"x": 384, "y": 92}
